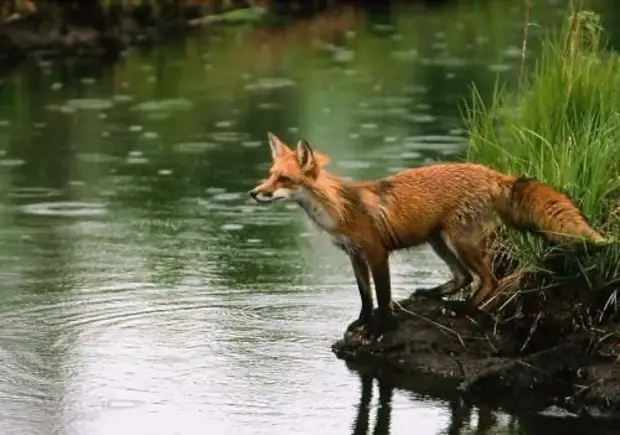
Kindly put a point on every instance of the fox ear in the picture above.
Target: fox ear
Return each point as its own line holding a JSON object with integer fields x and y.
{"x": 278, "y": 148}
{"x": 305, "y": 156}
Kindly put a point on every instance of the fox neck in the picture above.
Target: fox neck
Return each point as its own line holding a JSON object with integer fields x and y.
{"x": 322, "y": 202}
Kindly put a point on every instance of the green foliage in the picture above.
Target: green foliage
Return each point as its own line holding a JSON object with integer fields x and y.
{"x": 561, "y": 126}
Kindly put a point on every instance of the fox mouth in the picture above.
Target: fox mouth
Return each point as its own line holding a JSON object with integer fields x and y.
{"x": 264, "y": 199}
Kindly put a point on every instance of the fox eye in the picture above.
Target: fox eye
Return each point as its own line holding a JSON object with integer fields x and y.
{"x": 284, "y": 179}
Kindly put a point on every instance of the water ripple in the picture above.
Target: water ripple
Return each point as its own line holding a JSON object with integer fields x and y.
{"x": 65, "y": 209}
{"x": 33, "y": 192}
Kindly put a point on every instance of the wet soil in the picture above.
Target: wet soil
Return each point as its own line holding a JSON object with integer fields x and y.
{"x": 527, "y": 362}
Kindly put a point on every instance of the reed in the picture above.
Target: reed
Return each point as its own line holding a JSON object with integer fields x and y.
{"x": 561, "y": 126}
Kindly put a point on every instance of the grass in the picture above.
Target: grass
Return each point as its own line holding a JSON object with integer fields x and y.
{"x": 561, "y": 126}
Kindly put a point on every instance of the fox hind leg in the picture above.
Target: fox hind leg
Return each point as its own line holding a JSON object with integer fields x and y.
{"x": 461, "y": 276}
{"x": 470, "y": 250}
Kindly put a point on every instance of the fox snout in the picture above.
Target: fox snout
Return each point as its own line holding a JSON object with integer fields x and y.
{"x": 259, "y": 196}
{"x": 267, "y": 196}
{"x": 264, "y": 193}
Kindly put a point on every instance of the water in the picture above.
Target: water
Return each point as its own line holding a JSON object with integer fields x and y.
{"x": 143, "y": 289}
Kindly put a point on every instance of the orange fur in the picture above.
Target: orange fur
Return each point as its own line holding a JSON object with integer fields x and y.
{"x": 451, "y": 206}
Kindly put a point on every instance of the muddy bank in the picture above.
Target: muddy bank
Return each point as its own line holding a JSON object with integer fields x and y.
{"x": 529, "y": 363}
{"x": 88, "y": 29}
{"x": 48, "y": 29}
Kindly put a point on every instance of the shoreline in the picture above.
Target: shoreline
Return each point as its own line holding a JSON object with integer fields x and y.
{"x": 475, "y": 358}
{"x": 62, "y": 30}
{"x": 54, "y": 32}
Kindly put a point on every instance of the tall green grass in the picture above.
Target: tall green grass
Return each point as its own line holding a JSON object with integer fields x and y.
{"x": 561, "y": 126}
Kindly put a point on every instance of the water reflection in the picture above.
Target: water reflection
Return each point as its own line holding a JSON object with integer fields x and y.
{"x": 380, "y": 412}
{"x": 462, "y": 419}
{"x": 382, "y": 421}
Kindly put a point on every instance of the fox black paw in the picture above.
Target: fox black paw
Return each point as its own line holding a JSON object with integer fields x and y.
{"x": 358, "y": 329}
{"x": 359, "y": 334}
{"x": 358, "y": 325}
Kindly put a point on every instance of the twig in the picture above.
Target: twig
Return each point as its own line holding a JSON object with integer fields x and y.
{"x": 612, "y": 298}
{"x": 460, "y": 366}
{"x": 531, "y": 366}
{"x": 594, "y": 345}
{"x": 583, "y": 388}
{"x": 505, "y": 304}
{"x": 432, "y": 322}
{"x": 511, "y": 284}
{"x": 584, "y": 324}
{"x": 532, "y": 330}
{"x": 484, "y": 332}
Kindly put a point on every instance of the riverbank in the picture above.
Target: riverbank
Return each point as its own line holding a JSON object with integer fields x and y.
{"x": 100, "y": 30}
{"x": 506, "y": 362}
{"x": 550, "y": 335}
{"x": 90, "y": 30}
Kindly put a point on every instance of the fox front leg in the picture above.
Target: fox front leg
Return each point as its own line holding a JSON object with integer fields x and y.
{"x": 362, "y": 278}
{"x": 383, "y": 289}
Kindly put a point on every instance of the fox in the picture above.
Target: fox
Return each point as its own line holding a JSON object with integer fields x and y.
{"x": 447, "y": 205}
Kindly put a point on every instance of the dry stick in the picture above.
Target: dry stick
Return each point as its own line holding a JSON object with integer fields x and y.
{"x": 531, "y": 366}
{"x": 532, "y": 330}
{"x": 582, "y": 320}
{"x": 505, "y": 285}
{"x": 438, "y": 325}
{"x": 613, "y": 298}
{"x": 583, "y": 388}
{"x": 484, "y": 332}
{"x": 592, "y": 346}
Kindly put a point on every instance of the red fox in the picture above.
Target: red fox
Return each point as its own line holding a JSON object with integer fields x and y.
{"x": 447, "y": 205}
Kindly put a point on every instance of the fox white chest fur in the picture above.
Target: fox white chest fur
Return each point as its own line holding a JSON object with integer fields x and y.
{"x": 315, "y": 210}
{"x": 322, "y": 219}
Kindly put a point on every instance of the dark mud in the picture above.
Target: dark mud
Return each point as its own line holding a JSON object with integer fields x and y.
{"x": 525, "y": 363}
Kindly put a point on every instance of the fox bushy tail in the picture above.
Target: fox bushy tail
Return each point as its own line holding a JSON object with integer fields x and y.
{"x": 529, "y": 204}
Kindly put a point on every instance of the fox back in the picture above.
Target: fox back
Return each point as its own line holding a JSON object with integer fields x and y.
{"x": 392, "y": 213}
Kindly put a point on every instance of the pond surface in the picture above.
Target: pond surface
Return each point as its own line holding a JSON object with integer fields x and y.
{"x": 142, "y": 291}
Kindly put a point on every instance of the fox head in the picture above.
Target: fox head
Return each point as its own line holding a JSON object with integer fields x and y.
{"x": 291, "y": 171}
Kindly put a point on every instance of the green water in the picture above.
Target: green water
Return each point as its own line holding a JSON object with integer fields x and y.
{"x": 142, "y": 291}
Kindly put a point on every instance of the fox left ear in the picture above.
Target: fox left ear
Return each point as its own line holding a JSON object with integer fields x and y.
{"x": 278, "y": 148}
{"x": 305, "y": 156}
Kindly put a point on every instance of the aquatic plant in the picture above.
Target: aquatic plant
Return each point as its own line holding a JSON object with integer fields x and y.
{"x": 561, "y": 126}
